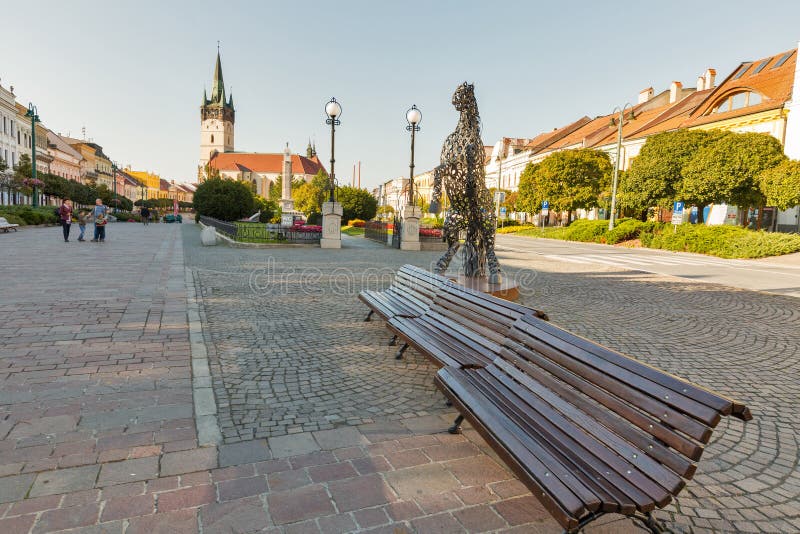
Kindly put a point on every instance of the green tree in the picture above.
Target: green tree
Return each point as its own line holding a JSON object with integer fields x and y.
{"x": 656, "y": 174}
{"x": 728, "y": 169}
{"x": 780, "y": 185}
{"x": 310, "y": 195}
{"x": 227, "y": 200}
{"x": 569, "y": 180}
{"x": 356, "y": 203}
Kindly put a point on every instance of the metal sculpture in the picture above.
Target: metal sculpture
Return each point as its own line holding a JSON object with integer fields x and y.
{"x": 463, "y": 175}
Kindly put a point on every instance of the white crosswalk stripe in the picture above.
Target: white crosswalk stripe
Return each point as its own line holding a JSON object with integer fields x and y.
{"x": 630, "y": 260}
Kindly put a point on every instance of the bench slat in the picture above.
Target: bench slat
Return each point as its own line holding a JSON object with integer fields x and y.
{"x": 722, "y": 405}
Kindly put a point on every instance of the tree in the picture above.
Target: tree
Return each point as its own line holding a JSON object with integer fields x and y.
{"x": 356, "y": 203}
{"x": 207, "y": 172}
{"x": 656, "y": 174}
{"x": 227, "y": 200}
{"x": 568, "y": 180}
{"x": 727, "y": 170}
{"x": 780, "y": 185}
{"x": 310, "y": 195}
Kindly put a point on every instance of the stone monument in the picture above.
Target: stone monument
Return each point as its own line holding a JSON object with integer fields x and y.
{"x": 409, "y": 237}
{"x": 287, "y": 204}
{"x": 331, "y": 225}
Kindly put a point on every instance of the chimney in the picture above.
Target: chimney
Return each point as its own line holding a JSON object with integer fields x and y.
{"x": 701, "y": 82}
{"x": 674, "y": 91}
{"x": 645, "y": 95}
{"x": 710, "y": 75}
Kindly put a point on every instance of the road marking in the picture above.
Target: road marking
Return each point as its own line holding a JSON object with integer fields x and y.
{"x": 570, "y": 259}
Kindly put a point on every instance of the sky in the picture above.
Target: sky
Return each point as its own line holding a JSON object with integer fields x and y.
{"x": 133, "y": 73}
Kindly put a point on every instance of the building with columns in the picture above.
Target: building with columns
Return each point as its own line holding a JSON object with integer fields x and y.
{"x": 259, "y": 169}
{"x": 9, "y": 149}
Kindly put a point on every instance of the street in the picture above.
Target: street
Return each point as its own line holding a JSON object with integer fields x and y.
{"x": 774, "y": 275}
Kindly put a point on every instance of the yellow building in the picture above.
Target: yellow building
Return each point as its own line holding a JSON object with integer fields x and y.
{"x": 151, "y": 181}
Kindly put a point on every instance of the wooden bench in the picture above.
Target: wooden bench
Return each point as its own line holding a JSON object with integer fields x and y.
{"x": 588, "y": 430}
{"x": 6, "y": 226}
{"x": 409, "y": 295}
{"x": 461, "y": 328}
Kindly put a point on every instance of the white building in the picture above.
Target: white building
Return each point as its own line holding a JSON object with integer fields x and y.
{"x": 9, "y": 151}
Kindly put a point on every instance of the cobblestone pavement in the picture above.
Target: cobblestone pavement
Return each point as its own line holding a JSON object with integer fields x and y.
{"x": 97, "y": 430}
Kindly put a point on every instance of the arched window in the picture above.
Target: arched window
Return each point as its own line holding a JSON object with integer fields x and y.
{"x": 742, "y": 99}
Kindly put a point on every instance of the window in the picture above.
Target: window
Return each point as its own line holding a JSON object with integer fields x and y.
{"x": 212, "y": 138}
{"x": 760, "y": 66}
{"x": 783, "y": 59}
{"x": 738, "y": 100}
{"x": 742, "y": 71}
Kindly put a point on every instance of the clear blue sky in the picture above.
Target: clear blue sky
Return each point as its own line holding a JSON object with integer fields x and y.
{"x": 133, "y": 73}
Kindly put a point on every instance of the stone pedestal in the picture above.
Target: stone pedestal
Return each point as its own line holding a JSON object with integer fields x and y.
{"x": 287, "y": 205}
{"x": 208, "y": 236}
{"x": 409, "y": 239}
{"x": 331, "y": 225}
{"x": 507, "y": 289}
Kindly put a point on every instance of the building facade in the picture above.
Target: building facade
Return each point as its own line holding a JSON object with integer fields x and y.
{"x": 66, "y": 160}
{"x": 9, "y": 149}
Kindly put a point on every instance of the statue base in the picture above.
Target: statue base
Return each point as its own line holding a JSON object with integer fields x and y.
{"x": 331, "y": 225}
{"x": 506, "y": 290}
{"x": 409, "y": 238}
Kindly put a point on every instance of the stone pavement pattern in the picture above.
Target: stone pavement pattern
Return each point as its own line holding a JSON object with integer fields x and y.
{"x": 96, "y": 421}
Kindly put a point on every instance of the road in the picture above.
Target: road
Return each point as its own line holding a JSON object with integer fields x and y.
{"x": 773, "y": 275}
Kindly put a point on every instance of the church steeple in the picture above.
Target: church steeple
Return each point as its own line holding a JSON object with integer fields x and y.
{"x": 217, "y": 118}
{"x": 218, "y": 90}
{"x": 309, "y": 150}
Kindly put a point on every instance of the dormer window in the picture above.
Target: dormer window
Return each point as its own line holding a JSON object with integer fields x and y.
{"x": 742, "y": 99}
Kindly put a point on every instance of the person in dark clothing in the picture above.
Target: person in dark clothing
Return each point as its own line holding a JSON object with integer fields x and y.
{"x": 145, "y": 213}
{"x": 65, "y": 213}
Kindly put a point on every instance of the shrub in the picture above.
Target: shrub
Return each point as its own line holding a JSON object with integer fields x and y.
{"x": 586, "y": 230}
{"x": 314, "y": 218}
{"x": 515, "y": 229}
{"x": 432, "y": 222}
{"x": 356, "y": 223}
{"x": 13, "y": 219}
{"x": 722, "y": 241}
{"x": 227, "y": 200}
{"x": 624, "y": 231}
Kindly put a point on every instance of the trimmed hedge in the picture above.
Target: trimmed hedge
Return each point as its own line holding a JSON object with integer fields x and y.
{"x": 721, "y": 241}
{"x": 26, "y": 215}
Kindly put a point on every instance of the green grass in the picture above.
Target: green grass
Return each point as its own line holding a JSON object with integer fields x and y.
{"x": 352, "y": 230}
{"x": 720, "y": 241}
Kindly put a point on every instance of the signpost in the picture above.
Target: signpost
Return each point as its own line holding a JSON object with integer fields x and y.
{"x": 545, "y": 211}
{"x": 499, "y": 198}
{"x": 677, "y": 214}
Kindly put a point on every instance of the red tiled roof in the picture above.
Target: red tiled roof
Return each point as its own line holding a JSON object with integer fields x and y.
{"x": 272, "y": 163}
{"x": 774, "y": 84}
{"x": 547, "y": 138}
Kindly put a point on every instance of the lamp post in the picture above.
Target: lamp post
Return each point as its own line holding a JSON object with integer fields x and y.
{"x": 33, "y": 113}
{"x": 333, "y": 110}
{"x": 620, "y": 121}
{"x": 114, "y": 178}
{"x": 413, "y": 117}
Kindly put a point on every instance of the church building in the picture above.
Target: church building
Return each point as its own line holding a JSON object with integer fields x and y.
{"x": 261, "y": 170}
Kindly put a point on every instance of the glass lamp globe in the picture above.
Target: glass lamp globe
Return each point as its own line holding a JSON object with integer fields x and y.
{"x": 414, "y": 116}
{"x": 333, "y": 109}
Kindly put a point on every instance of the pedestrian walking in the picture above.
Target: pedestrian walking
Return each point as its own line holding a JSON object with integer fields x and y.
{"x": 83, "y": 219}
{"x": 100, "y": 213}
{"x": 145, "y": 213}
{"x": 65, "y": 213}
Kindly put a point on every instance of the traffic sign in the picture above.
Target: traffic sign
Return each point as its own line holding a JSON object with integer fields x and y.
{"x": 545, "y": 204}
{"x": 677, "y": 212}
{"x": 502, "y": 210}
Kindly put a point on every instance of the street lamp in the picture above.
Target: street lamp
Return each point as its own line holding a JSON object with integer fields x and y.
{"x": 33, "y": 113}
{"x": 620, "y": 121}
{"x": 413, "y": 117}
{"x": 333, "y": 110}
{"x": 114, "y": 169}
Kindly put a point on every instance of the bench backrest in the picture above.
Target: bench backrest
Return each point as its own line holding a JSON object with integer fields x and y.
{"x": 597, "y": 389}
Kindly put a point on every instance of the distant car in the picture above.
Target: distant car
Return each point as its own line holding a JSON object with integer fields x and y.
{"x": 173, "y": 218}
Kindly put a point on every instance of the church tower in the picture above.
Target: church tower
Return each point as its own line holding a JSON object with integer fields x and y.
{"x": 216, "y": 120}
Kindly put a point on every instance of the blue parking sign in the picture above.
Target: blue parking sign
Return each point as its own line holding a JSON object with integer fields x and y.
{"x": 545, "y": 204}
{"x": 678, "y": 206}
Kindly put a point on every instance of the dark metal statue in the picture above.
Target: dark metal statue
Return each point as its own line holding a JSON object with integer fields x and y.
{"x": 471, "y": 207}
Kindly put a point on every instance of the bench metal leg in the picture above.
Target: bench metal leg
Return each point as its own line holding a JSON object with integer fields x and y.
{"x": 647, "y": 520}
{"x": 456, "y": 428}
{"x": 400, "y": 352}
{"x": 366, "y": 319}
{"x": 393, "y": 341}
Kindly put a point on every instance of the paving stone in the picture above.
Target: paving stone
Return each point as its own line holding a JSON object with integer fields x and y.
{"x": 127, "y": 507}
{"x": 15, "y": 488}
{"x": 414, "y": 481}
{"x": 336, "y": 524}
{"x": 179, "y": 522}
{"x": 243, "y": 453}
{"x": 299, "y": 504}
{"x": 361, "y": 492}
{"x": 241, "y": 487}
{"x": 338, "y": 438}
{"x": 128, "y": 471}
{"x": 521, "y": 510}
{"x": 442, "y": 523}
{"x": 65, "y": 480}
{"x": 240, "y": 515}
{"x": 20, "y": 523}
{"x": 477, "y": 471}
{"x": 186, "y": 498}
{"x": 326, "y": 473}
{"x": 293, "y": 445}
{"x": 66, "y": 518}
{"x": 37, "y": 504}
{"x": 479, "y": 519}
{"x": 285, "y": 480}
{"x": 176, "y": 463}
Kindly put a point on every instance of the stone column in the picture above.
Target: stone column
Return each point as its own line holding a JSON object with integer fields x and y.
{"x": 409, "y": 238}
{"x": 331, "y": 225}
{"x": 287, "y": 204}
